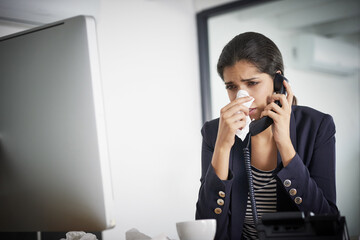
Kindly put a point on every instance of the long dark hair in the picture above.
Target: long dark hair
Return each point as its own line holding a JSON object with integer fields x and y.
{"x": 254, "y": 48}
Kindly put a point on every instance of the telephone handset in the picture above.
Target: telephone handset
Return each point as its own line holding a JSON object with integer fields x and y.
{"x": 257, "y": 127}
{"x": 260, "y": 125}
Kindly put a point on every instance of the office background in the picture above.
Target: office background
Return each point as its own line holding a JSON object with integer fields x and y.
{"x": 149, "y": 63}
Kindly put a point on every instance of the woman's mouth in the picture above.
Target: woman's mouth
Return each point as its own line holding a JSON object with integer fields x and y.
{"x": 252, "y": 111}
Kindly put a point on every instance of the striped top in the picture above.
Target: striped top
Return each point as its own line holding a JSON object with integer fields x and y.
{"x": 265, "y": 198}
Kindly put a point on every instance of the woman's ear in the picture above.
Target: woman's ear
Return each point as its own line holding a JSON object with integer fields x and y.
{"x": 278, "y": 71}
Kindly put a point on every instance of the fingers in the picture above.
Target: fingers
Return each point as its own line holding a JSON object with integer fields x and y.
{"x": 232, "y": 117}
{"x": 234, "y": 110}
{"x": 272, "y": 108}
{"x": 237, "y": 121}
{"x": 235, "y": 117}
{"x": 235, "y": 107}
{"x": 276, "y": 112}
{"x": 283, "y": 100}
{"x": 290, "y": 94}
{"x": 270, "y": 114}
{"x": 231, "y": 124}
{"x": 238, "y": 101}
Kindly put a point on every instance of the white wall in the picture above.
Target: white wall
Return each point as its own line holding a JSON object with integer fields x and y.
{"x": 333, "y": 94}
{"x": 40, "y": 11}
{"x": 201, "y": 5}
{"x": 150, "y": 68}
{"x": 148, "y": 54}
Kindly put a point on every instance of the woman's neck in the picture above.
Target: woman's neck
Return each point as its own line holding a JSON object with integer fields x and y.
{"x": 264, "y": 151}
{"x": 264, "y": 136}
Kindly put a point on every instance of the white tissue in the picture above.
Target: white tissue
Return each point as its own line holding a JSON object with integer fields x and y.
{"x": 79, "y": 236}
{"x": 134, "y": 234}
{"x": 162, "y": 236}
{"x": 242, "y": 133}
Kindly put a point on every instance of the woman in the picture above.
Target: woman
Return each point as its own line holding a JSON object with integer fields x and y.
{"x": 292, "y": 161}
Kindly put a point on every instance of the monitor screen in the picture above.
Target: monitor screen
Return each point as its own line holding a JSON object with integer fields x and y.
{"x": 54, "y": 165}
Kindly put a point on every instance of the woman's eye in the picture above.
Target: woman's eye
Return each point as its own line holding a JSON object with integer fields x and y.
{"x": 252, "y": 83}
{"x": 230, "y": 87}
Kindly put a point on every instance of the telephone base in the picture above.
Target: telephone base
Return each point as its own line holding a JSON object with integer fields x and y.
{"x": 298, "y": 225}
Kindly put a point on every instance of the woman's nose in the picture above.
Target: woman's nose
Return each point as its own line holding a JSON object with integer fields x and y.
{"x": 244, "y": 88}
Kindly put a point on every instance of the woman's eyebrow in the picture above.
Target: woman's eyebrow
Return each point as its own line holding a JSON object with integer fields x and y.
{"x": 228, "y": 83}
{"x": 249, "y": 79}
{"x": 242, "y": 80}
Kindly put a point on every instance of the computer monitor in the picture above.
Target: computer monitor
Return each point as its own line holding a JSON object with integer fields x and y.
{"x": 54, "y": 164}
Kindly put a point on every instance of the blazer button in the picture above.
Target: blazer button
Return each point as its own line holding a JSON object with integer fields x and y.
{"x": 220, "y": 202}
{"x": 293, "y": 192}
{"x": 298, "y": 200}
{"x": 287, "y": 183}
{"x": 222, "y": 194}
{"x": 218, "y": 210}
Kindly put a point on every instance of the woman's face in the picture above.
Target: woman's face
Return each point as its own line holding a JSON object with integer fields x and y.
{"x": 245, "y": 76}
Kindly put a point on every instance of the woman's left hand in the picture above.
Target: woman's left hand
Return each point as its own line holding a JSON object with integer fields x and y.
{"x": 281, "y": 127}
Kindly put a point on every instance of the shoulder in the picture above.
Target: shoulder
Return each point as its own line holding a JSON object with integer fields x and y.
{"x": 303, "y": 111}
{"x": 210, "y": 127}
{"x": 308, "y": 114}
{"x": 209, "y": 131}
{"x": 313, "y": 121}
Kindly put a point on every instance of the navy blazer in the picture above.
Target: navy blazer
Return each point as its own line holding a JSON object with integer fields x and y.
{"x": 311, "y": 172}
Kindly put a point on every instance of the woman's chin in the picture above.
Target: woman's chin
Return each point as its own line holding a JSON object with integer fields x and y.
{"x": 254, "y": 117}
{"x": 255, "y": 114}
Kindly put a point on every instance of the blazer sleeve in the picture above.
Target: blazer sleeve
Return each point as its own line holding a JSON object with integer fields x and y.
{"x": 311, "y": 184}
{"x": 214, "y": 194}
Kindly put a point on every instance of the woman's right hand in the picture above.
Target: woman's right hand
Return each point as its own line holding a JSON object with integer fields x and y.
{"x": 232, "y": 118}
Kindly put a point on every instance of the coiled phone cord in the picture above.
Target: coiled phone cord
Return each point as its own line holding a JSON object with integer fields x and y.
{"x": 250, "y": 182}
